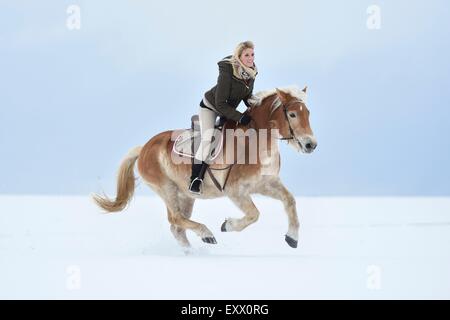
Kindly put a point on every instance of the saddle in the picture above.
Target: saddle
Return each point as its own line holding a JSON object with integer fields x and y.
{"x": 188, "y": 141}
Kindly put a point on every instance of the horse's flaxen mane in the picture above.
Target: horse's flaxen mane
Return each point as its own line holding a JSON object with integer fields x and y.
{"x": 258, "y": 98}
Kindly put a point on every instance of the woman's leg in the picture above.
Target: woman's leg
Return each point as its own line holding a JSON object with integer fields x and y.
{"x": 207, "y": 121}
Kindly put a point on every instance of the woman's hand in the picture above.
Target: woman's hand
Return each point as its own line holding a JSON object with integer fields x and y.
{"x": 245, "y": 119}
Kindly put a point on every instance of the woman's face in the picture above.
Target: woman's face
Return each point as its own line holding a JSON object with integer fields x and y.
{"x": 247, "y": 57}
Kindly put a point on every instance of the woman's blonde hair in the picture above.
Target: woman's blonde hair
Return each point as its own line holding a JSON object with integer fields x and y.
{"x": 241, "y": 47}
{"x": 238, "y": 64}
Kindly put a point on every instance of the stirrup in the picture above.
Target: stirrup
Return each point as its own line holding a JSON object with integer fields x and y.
{"x": 201, "y": 184}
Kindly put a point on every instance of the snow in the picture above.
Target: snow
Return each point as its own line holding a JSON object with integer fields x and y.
{"x": 366, "y": 248}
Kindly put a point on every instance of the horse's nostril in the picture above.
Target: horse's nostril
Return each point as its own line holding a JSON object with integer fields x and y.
{"x": 310, "y": 146}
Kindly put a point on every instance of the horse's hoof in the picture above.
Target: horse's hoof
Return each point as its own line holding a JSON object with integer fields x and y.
{"x": 291, "y": 242}
{"x": 223, "y": 228}
{"x": 210, "y": 240}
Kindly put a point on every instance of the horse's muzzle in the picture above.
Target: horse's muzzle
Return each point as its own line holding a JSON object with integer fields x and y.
{"x": 308, "y": 144}
{"x": 310, "y": 147}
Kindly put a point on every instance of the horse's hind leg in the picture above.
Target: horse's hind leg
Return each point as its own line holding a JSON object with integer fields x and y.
{"x": 245, "y": 203}
{"x": 180, "y": 208}
{"x": 178, "y": 232}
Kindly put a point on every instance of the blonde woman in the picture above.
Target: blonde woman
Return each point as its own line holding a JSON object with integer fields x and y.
{"x": 235, "y": 83}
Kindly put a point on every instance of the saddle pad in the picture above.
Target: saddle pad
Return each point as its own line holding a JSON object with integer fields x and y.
{"x": 183, "y": 144}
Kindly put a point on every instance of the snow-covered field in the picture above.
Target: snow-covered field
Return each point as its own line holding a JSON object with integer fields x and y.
{"x": 369, "y": 248}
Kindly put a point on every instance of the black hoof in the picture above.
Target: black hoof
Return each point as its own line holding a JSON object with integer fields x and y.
{"x": 223, "y": 228}
{"x": 210, "y": 240}
{"x": 291, "y": 242}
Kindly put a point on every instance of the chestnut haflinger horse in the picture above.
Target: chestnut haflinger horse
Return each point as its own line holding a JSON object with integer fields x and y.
{"x": 249, "y": 163}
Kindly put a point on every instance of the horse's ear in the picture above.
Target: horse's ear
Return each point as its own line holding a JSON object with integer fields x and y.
{"x": 282, "y": 95}
{"x": 304, "y": 89}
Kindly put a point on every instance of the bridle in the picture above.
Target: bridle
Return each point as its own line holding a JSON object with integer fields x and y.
{"x": 291, "y": 131}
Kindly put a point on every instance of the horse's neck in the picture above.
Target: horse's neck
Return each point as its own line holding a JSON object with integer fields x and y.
{"x": 261, "y": 115}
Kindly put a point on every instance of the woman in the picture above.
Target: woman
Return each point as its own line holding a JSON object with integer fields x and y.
{"x": 234, "y": 84}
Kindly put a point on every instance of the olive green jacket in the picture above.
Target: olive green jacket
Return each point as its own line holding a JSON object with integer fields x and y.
{"x": 229, "y": 91}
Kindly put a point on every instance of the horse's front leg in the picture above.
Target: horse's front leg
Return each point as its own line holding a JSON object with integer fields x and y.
{"x": 275, "y": 189}
{"x": 245, "y": 203}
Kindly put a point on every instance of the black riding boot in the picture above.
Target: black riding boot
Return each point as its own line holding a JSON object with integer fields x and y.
{"x": 198, "y": 172}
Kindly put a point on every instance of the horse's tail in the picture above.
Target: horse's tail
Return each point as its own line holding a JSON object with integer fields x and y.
{"x": 125, "y": 184}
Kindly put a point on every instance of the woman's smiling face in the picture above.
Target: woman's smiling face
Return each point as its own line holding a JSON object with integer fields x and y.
{"x": 247, "y": 57}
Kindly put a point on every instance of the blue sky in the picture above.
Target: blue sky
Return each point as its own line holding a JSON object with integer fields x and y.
{"x": 72, "y": 103}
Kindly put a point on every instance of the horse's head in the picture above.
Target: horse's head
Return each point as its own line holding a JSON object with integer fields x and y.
{"x": 290, "y": 116}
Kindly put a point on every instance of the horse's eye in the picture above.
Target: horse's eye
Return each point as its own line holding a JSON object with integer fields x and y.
{"x": 292, "y": 115}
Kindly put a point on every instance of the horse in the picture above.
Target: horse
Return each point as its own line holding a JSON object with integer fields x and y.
{"x": 281, "y": 113}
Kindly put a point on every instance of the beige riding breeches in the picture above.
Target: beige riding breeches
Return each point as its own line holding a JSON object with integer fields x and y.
{"x": 207, "y": 119}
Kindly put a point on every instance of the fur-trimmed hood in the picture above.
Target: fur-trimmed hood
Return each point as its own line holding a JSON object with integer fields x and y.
{"x": 240, "y": 71}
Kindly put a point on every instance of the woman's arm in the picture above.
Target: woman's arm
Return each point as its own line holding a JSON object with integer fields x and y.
{"x": 246, "y": 99}
{"x": 222, "y": 93}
